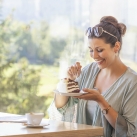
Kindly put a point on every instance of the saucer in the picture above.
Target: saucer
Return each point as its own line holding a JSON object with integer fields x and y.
{"x": 35, "y": 126}
{"x": 70, "y": 94}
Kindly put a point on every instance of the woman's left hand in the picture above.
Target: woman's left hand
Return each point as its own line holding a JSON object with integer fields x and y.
{"x": 92, "y": 94}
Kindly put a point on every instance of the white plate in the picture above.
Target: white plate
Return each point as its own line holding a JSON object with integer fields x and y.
{"x": 35, "y": 126}
{"x": 70, "y": 94}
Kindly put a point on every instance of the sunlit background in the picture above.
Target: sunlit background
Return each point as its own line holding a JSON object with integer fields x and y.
{"x": 39, "y": 39}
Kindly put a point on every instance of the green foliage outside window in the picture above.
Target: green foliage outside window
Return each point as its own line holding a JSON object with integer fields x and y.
{"x": 26, "y": 52}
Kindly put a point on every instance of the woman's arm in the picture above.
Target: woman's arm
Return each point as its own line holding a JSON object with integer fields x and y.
{"x": 60, "y": 100}
{"x": 93, "y": 94}
{"x": 111, "y": 115}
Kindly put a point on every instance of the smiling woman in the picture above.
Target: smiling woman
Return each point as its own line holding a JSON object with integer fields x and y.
{"x": 102, "y": 52}
{"x": 110, "y": 85}
{"x": 40, "y": 39}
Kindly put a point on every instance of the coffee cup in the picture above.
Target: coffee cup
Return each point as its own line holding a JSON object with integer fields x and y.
{"x": 34, "y": 118}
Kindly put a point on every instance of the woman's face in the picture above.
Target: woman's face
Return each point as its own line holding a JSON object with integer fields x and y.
{"x": 102, "y": 53}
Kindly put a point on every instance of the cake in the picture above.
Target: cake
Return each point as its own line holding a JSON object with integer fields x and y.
{"x": 68, "y": 86}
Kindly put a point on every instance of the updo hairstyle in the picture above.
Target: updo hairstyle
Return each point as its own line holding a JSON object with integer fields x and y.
{"x": 111, "y": 25}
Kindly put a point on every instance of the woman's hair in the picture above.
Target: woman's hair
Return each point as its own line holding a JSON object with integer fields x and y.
{"x": 111, "y": 25}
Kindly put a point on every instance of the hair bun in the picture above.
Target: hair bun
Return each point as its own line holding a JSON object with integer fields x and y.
{"x": 120, "y": 26}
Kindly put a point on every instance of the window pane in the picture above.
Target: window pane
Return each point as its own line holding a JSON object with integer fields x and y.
{"x": 40, "y": 39}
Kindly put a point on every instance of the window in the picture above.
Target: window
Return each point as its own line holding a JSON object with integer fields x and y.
{"x": 39, "y": 39}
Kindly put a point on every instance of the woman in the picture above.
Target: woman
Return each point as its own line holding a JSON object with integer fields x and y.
{"x": 111, "y": 86}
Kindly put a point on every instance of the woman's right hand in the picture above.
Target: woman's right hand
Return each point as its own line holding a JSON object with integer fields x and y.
{"x": 74, "y": 71}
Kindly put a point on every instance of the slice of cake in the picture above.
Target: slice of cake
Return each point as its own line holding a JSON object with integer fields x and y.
{"x": 68, "y": 86}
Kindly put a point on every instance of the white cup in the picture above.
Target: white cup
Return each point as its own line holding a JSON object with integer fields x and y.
{"x": 34, "y": 118}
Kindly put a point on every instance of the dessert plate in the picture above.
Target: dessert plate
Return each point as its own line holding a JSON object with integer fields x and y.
{"x": 35, "y": 126}
{"x": 70, "y": 94}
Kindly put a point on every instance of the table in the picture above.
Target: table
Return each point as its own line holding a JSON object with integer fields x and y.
{"x": 54, "y": 129}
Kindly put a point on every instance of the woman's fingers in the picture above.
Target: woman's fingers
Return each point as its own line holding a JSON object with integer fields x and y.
{"x": 91, "y": 94}
{"x": 78, "y": 68}
{"x": 71, "y": 74}
{"x": 91, "y": 90}
{"x": 74, "y": 71}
